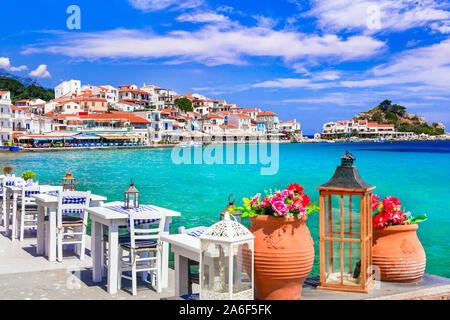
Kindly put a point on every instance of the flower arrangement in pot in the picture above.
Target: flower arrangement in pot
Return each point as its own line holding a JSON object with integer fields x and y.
{"x": 284, "y": 248}
{"x": 7, "y": 170}
{"x": 396, "y": 249}
{"x": 28, "y": 176}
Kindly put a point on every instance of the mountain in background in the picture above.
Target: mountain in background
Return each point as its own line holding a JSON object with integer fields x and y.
{"x": 25, "y": 81}
{"x": 20, "y": 91}
{"x": 388, "y": 113}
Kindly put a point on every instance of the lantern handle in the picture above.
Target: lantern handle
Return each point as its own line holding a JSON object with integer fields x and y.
{"x": 231, "y": 198}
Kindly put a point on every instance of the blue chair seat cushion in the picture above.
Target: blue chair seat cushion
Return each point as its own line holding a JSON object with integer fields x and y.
{"x": 28, "y": 207}
{"x": 141, "y": 245}
{"x": 69, "y": 220}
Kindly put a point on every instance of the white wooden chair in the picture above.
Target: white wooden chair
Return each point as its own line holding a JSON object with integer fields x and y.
{"x": 28, "y": 209}
{"x": 143, "y": 243}
{"x": 71, "y": 229}
{"x": 7, "y": 181}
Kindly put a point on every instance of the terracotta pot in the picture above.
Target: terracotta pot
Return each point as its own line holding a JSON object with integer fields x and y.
{"x": 398, "y": 253}
{"x": 283, "y": 256}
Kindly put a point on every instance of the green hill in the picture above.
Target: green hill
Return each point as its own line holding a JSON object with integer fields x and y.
{"x": 20, "y": 92}
{"x": 388, "y": 113}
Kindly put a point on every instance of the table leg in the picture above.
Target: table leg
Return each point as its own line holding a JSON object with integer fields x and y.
{"x": 181, "y": 275}
{"x": 14, "y": 217}
{"x": 52, "y": 234}
{"x": 7, "y": 206}
{"x": 96, "y": 251}
{"x": 165, "y": 256}
{"x": 40, "y": 247}
{"x": 113, "y": 258}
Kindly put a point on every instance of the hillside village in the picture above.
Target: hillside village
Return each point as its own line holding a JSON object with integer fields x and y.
{"x": 129, "y": 115}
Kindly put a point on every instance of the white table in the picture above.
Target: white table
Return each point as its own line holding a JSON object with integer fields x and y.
{"x": 112, "y": 219}
{"x": 184, "y": 247}
{"x": 15, "y": 191}
{"x": 50, "y": 202}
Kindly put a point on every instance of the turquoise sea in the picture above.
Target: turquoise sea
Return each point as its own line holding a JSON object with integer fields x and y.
{"x": 418, "y": 173}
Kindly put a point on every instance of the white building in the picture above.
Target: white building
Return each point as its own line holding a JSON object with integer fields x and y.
{"x": 67, "y": 88}
{"x": 241, "y": 121}
{"x": 290, "y": 126}
{"x": 5, "y": 116}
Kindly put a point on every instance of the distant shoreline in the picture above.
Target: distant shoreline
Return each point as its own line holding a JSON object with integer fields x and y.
{"x": 173, "y": 145}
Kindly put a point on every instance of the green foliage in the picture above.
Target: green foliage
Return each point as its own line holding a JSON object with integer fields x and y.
{"x": 391, "y": 117}
{"x": 419, "y": 218}
{"x": 420, "y": 128}
{"x": 184, "y": 104}
{"x": 28, "y": 175}
{"x": 20, "y": 92}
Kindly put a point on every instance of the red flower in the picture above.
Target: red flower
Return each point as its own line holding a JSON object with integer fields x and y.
{"x": 305, "y": 201}
{"x": 296, "y": 188}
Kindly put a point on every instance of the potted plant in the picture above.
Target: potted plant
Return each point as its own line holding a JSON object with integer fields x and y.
{"x": 284, "y": 249}
{"x": 396, "y": 250}
{"x": 7, "y": 171}
{"x": 28, "y": 176}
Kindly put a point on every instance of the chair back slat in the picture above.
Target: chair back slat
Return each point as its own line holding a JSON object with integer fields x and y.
{"x": 146, "y": 233}
{"x": 27, "y": 192}
{"x": 73, "y": 202}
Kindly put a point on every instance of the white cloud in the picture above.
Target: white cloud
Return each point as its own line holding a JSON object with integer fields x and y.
{"x": 428, "y": 66}
{"x": 442, "y": 27}
{"x": 203, "y": 17}
{"x": 5, "y": 63}
{"x": 265, "y": 22}
{"x": 156, "y": 5}
{"x": 289, "y": 83}
{"x": 40, "y": 72}
{"x": 374, "y": 16}
{"x": 211, "y": 45}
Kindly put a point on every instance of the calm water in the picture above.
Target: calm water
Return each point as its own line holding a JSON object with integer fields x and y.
{"x": 418, "y": 173}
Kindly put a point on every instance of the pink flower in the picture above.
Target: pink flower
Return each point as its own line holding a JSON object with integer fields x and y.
{"x": 287, "y": 193}
{"x": 254, "y": 200}
{"x": 264, "y": 203}
{"x": 280, "y": 208}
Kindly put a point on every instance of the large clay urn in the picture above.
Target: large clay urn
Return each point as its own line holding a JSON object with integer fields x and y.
{"x": 398, "y": 253}
{"x": 283, "y": 256}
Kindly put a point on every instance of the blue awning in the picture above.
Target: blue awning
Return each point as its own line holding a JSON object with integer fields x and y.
{"x": 52, "y": 139}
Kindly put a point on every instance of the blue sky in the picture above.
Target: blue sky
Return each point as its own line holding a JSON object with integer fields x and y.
{"x": 315, "y": 61}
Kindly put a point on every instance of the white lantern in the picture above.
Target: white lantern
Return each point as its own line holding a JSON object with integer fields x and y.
{"x": 226, "y": 261}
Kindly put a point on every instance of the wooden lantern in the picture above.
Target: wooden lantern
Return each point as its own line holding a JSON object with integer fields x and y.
{"x": 131, "y": 200}
{"x": 345, "y": 230}
{"x": 68, "y": 182}
{"x": 231, "y": 205}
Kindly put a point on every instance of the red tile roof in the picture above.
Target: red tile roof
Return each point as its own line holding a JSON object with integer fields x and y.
{"x": 267, "y": 113}
{"x": 116, "y": 116}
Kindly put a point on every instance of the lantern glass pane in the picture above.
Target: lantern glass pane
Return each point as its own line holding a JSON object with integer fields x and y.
{"x": 332, "y": 255}
{"x": 215, "y": 271}
{"x": 242, "y": 271}
{"x": 332, "y": 216}
{"x": 352, "y": 266}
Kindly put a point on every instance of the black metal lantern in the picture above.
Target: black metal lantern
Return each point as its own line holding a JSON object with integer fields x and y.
{"x": 231, "y": 205}
{"x": 68, "y": 182}
{"x": 131, "y": 197}
{"x": 345, "y": 230}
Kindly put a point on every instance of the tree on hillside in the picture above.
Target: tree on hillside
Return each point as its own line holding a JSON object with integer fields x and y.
{"x": 19, "y": 91}
{"x": 387, "y": 106}
{"x": 184, "y": 104}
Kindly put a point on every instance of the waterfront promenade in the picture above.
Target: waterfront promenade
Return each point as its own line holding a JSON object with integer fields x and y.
{"x": 26, "y": 276}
